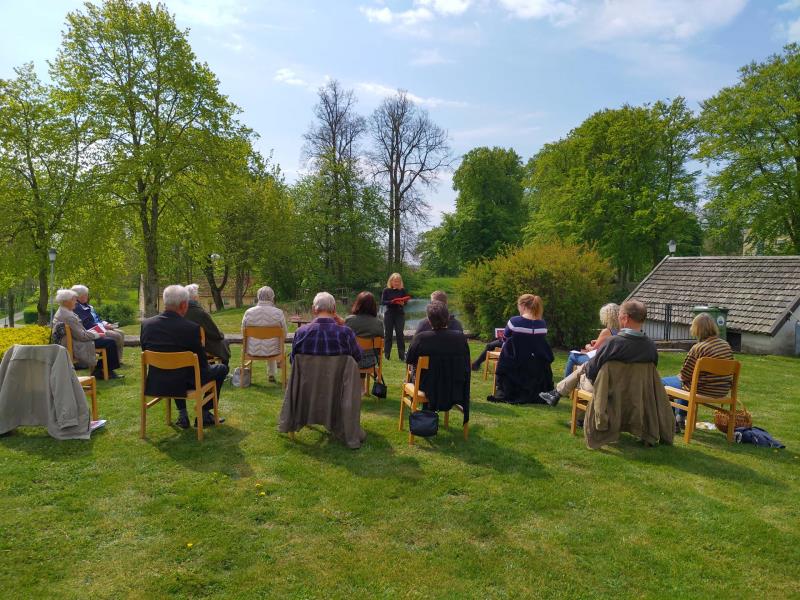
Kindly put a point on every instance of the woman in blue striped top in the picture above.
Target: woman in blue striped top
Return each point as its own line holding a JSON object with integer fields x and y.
{"x": 524, "y": 366}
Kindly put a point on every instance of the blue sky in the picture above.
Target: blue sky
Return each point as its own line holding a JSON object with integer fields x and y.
{"x": 512, "y": 73}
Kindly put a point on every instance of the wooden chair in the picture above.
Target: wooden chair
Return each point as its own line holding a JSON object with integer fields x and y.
{"x": 580, "y": 402}
{"x": 211, "y": 358}
{"x": 100, "y": 353}
{"x": 413, "y": 397}
{"x": 89, "y": 385}
{"x": 368, "y": 345}
{"x": 711, "y": 366}
{"x": 200, "y": 394}
{"x": 492, "y": 356}
{"x": 265, "y": 333}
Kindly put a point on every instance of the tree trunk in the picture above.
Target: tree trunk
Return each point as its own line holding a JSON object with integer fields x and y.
{"x": 11, "y": 308}
{"x": 41, "y": 306}
{"x": 239, "y": 287}
{"x": 148, "y": 214}
{"x": 216, "y": 290}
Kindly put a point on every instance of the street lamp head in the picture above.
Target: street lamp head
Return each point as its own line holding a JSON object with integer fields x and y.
{"x": 215, "y": 256}
{"x": 672, "y": 245}
{"x": 51, "y": 254}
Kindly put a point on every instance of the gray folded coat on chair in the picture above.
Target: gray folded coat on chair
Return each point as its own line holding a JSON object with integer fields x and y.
{"x": 324, "y": 390}
{"x": 38, "y": 386}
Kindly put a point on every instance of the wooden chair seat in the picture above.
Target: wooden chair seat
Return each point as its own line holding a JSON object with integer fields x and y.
{"x": 201, "y": 393}
{"x": 412, "y": 397}
{"x": 580, "y": 402}
{"x": 100, "y": 353}
{"x": 265, "y": 333}
{"x": 371, "y": 344}
{"x": 715, "y": 367}
{"x": 89, "y": 385}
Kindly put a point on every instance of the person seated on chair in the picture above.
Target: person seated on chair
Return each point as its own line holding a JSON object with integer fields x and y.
{"x": 446, "y": 381}
{"x": 216, "y": 344}
{"x": 523, "y": 369}
{"x": 365, "y": 323}
{"x": 90, "y": 318}
{"x": 452, "y": 323}
{"x": 170, "y": 331}
{"x": 709, "y": 344}
{"x": 265, "y": 314}
{"x": 630, "y": 345}
{"x": 84, "y": 341}
{"x": 609, "y": 318}
{"x": 326, "y": 335}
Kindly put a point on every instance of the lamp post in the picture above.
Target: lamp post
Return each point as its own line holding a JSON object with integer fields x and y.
{"x": 672, "y": 245}
{"x": 51, "y": 254}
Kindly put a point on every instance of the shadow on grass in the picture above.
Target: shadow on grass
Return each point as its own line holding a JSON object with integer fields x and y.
{"x": 220, "y": 452}
{"x": 689, "y": 459}
{"x": 36, "y": 441}
{"x": 376, "y": 458}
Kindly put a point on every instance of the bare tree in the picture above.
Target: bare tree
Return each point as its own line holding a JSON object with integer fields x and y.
{"x": 409, "y": 152}
{"x": 335, "y": 135}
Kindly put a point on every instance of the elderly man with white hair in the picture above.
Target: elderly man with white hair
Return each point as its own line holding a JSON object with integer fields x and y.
{"x": 265, "y": 314}
{"x": 89, "y": 317}
{"x": 84, "y": 341}
{"x": 216, "y": 343}
{"x": 171, "y": 332}
{"x": 326, "y": 335}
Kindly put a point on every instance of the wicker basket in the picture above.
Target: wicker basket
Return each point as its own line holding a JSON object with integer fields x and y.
{"x": 743, "y": 418}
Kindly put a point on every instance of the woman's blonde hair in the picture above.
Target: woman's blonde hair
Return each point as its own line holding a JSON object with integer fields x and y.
{"x": 394, "y": 276}
{"x": 609, "y": 315}
{"x": 703, "y": 326}
{"x": 532, "y": 303}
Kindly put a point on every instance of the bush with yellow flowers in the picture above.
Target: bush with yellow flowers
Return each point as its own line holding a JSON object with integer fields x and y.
{"x": 30, "y": 335}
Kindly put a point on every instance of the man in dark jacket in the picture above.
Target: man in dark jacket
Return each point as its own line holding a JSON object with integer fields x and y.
{"x": 446, "y": 382}
{"x": 630, "y": 345}
{"x": 171, "y": 332}
{"x": 452, "y": 322}
{"x": 216, "y": 343}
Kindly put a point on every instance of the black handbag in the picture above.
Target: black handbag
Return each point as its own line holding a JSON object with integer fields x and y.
{"x": 379, "y": 388}
{"x": 424, "y": 423}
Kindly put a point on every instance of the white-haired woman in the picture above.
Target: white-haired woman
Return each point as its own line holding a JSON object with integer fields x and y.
{"x": 84, "y": 341}
{"x": 609, "y": 319}
{"x": 265, "y": 314}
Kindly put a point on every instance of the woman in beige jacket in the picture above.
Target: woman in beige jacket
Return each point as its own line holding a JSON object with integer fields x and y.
{"x": 265, "y": 314}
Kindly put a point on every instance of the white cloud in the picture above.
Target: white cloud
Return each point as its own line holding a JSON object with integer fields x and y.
{"x": 289, "y": 77}
{"x": 426, "y": 58}
{"x": 446, "y": 7}
{"x": 556, "y": 10}
{"x": 793, "y": 31}
{"x": 405, "y": 18}
{"x": 382, "y": 91}
{"x": 790, "y": 5}
{"x": 208, "y": 13}
{"x": 663, "y": 19}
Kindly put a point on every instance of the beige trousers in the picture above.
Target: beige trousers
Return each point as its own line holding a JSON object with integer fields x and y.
{"x": 573, "y": 380}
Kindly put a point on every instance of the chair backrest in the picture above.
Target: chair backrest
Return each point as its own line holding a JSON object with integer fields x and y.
{"x": 423, "y": 362}
{"x": 169, "y": 361}
{"x": 261, "y": 333}
{"x": 68, "y": 338}
{"x": 202, "y": 337}
{"x": 375, "y": 343}
{"x": 718, "y": 367}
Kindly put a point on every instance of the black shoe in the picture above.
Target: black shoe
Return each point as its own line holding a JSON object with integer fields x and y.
{"x": 208, "y": 420}
{"x": 476, "y": 366}
{"x": 495, "y": 399}
{"x": 552, "y": 397}
{"x": 183, "y": 421}
{"x": 113, "y": 375}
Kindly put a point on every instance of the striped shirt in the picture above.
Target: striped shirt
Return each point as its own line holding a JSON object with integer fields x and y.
{"x": 708, "y": 385}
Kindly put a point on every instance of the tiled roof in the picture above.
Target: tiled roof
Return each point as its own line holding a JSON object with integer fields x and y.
{"x": 760, "y": 292}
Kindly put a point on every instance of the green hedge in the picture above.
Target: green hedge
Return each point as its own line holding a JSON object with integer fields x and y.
{"x": 117, "y": 312}
{"x": 32, "y": 335}
{"x": 573, "y": 282}
{"x": 30, "y": 316}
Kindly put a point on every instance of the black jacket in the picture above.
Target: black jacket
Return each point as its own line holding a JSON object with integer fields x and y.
{"x": 446, "y": 382}
{"x": 169, "y": 332}
{"x": 623, "y": 347}
{"x": 214, "y": 337}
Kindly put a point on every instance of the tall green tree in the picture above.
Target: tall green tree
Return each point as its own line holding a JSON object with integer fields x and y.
{"x": 621, "y": 182}
{"x": 46, "y": 173}
{"x": 751, "y": 130}
{"x": 159, "y": 109}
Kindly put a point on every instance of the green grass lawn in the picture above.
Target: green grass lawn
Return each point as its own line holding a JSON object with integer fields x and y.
{"x": 521, "y": 510}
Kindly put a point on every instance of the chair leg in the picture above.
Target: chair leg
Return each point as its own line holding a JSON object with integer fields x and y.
{"x": 486, "y": 369}
{"x": 104, "y": 360}
{"x": 402, "y": 407}
{"x": 494, "y": 382}
{"x": 93, "y": 397}
{"x": 731, "y": 422}
{"x": 691, "y": 420}
{"x": 466, "y": 431}
{"x": 573, "y": 424}
{"x": 216, "y": 407}
{"x": 447, "y": 419}
{"x": 198, "y": 411}
{"x": 143, "y": 418}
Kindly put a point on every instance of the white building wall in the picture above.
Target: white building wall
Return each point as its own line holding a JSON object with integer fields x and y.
{"x": 782, "y": 343}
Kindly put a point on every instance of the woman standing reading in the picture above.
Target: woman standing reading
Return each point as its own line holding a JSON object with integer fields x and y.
{"x": 394, "y": 297}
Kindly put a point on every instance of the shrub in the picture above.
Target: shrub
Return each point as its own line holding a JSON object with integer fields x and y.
{"x": 573, "y": 281}
{"x": 116, "y": 312}
{"x": 32, "y": 335}
{"x": 30, "y": 316}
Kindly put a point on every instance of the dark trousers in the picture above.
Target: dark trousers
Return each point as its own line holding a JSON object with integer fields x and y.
{"x": 393, "y": 322}
{"x": 112, "y": 353}
{"x": 218, "y": 374}
{"x": 493, "y": 345}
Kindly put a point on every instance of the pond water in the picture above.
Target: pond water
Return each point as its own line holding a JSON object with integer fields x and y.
{"x": 415, "y": 312}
